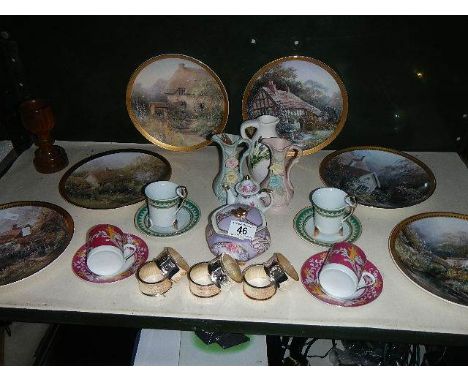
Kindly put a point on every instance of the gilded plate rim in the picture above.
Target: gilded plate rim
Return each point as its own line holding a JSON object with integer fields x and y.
{"x": 328, "y": 69}
{"x": 393, "y": 254}
{"x": 90, "y": 158}
{"x": 149, "y": 137}
{"x": 410, "y": 157}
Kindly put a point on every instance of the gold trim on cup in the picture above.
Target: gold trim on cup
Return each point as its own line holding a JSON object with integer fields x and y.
{"x": 151, "y": 280}
{"x": 258, "y": 292}
{"x": 200, "y": 281}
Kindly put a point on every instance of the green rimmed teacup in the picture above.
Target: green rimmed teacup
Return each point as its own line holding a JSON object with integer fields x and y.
{"x": 332, "y": 207}
{"x": 164, "y": 200}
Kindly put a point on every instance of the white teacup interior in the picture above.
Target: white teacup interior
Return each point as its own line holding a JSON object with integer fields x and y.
{"x": 338, "y": 282}
{"x": 105, "y": 260}
{"x": 329, "y": 198}
{"x": 162, "y": 190}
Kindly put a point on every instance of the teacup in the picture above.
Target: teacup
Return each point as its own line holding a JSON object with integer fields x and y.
{"x": 164, "y": 199}
{"x": 342, "y": 274}
{"x": 332, "y": 207}
{"x": 107, "y": 249}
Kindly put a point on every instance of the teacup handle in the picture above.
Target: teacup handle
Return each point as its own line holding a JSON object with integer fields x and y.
{"x": 129, "y": 251}
{"x": 352, "y": 204}
{"x": 367, "y": 279}
{"x": 182, "y": 192}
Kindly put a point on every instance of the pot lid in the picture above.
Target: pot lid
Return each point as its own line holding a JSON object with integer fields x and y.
{"x": 222, "y": 217}
{"x": 247, "y": 186}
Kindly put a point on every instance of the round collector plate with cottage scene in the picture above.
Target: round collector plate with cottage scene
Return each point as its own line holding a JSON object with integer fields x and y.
{"x": 304, "y": 226}
{"x": 113, "y": 179}
{"x": 187, "y": 217}
{"x": 177, "y": 102}
{"x": 431, "y": 249}
{"x": 306, "y": 95}
{"x": 32, "y": 235}
{"x": 310, "y": 279}
{"x": 80, "y": 268}
{"x": 378, "y": 177}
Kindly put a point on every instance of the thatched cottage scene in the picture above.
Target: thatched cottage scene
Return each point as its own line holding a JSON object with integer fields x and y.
{"x": 177, "y": 101}
{"x": 305, "y": 97}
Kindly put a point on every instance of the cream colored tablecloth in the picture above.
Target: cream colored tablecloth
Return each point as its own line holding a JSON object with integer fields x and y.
{"x": 402, "y": 305}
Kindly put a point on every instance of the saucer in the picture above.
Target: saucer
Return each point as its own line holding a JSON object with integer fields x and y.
{"x": 187, "y": 217}
{"x": 309, "y": 277}
{"x": 129, "y": 268}
{"x": 304, "y": 227}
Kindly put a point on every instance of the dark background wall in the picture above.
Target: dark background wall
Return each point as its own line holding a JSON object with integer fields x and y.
{"x": 82, "y": 65}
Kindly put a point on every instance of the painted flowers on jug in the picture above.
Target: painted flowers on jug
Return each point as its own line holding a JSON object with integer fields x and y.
{"x": 232, "y": 163}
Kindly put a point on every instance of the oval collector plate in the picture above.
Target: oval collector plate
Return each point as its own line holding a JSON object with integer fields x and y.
{"x": 306, "y": 95}
{"x": 432, "y": 250}
{"x": 378, "y": 177}
{"x": 113, "y": 179}
{"x": 177, "y": 102}
{"x": 32, "y": 235}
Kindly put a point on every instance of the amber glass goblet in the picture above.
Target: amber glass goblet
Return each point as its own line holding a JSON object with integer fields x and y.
{"x": 38, "y": 119}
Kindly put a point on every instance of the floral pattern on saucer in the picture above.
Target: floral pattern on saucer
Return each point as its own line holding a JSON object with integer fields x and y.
{"x": 81, "y": 269}
{"x": 309, "y": 277}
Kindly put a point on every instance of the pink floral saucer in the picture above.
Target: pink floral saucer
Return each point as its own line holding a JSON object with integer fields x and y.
{"x": 309, "y": 277}
{"x": 133, "y": 263}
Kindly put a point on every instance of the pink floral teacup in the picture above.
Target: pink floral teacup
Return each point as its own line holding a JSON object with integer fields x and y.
{"x": 107, "y": 249}
{"x": 342, "y": 274}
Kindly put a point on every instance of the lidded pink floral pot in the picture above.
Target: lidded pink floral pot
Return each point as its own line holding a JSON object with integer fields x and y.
{"x": 242, "y": 249}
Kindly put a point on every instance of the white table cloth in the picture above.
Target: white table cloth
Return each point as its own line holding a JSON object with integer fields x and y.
{"x": 402, "y": 304}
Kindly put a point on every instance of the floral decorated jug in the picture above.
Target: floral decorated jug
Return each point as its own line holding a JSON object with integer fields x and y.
{"x": 281, "y": 163}
{"x": 231, "y": 163}
{"x": 259, "y": 155}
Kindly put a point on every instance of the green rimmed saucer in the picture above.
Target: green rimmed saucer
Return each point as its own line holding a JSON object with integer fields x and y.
{"x": 304, "y": 226}
{"x": 187, "y": 218}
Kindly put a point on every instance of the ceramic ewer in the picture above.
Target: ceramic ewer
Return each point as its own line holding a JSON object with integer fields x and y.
{"x": 278, "y": 179}
{"x": 233, "y": 156}
{"x": 258, "y": 159}
{"x": 242, "y": 250}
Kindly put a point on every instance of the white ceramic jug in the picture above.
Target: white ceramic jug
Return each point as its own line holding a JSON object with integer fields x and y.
{"x": 258, "y": 159}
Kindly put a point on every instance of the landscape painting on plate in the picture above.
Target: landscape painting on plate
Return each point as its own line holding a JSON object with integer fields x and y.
{"x": 433, "y": 252}
{"x": 177, "y": 101}
{"x": 378, "y": 178}
{"x": 113, "y": 180}
{"x": 306, "y": 98}
{"x": 31, "y": 237}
